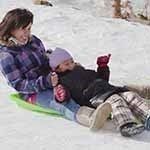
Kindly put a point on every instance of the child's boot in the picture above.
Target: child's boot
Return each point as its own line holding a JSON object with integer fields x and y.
{"x": 131, "y": 129}
{"x": 94, "y": 118}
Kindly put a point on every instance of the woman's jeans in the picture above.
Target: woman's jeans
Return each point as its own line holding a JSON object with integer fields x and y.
{"x": 67, "y": 109}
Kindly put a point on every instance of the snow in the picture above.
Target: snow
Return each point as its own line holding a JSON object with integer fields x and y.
{"x": 71, "y": 24}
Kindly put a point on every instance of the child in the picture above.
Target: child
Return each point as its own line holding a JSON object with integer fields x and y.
{"x": 86, "y": 88}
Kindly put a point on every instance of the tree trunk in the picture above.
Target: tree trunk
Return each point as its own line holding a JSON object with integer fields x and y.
{"x": 117, "y": 8}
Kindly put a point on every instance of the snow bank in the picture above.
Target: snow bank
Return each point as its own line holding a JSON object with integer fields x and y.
{"x": 86, "y": 37}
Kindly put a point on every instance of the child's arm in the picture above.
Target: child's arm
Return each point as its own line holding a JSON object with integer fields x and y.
{"x": 103, "y": 68}
{"x": 104, "y": 73}
{"x": 61, "y": 94}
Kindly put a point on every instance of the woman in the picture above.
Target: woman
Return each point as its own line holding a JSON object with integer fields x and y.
{"x": 24, "y": 64}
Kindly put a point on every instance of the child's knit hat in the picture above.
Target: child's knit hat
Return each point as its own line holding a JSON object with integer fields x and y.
{"x": 58, "y": 56}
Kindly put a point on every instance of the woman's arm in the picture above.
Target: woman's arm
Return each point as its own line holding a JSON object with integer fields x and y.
{"x": 16, "y": 79}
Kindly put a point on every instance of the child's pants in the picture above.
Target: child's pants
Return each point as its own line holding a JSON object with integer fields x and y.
{"x": 127, "y": 104}
{"x": 67, "y": 109}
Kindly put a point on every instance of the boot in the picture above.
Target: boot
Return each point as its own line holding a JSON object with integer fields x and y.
{"x": 131, "y": 129}
{"x": 94, "y": 118}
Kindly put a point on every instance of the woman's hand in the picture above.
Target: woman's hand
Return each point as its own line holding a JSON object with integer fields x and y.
{"x": 54, "y": 79}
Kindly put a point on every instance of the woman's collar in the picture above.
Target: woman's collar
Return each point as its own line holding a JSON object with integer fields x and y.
{"x": 13, "y": 42}
{"x": 16, "y": 42}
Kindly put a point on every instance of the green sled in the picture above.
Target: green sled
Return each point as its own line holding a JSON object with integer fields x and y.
{"x": 36, "y": 108}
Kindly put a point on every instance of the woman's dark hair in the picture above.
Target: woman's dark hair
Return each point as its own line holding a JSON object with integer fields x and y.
{"x": 14, "y": 19}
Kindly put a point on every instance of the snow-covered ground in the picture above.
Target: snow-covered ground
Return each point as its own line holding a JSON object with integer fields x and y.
{"x": 71, "y": 24}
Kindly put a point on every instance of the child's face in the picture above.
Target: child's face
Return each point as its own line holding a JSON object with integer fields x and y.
{"x": 66, "y": 65}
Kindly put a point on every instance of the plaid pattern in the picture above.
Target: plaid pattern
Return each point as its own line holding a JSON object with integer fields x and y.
{"x": 126, "y": 106}
{"x": 26, "y": 67}
{"x": 137, "y": 104}
{"x": 121, "y": 112}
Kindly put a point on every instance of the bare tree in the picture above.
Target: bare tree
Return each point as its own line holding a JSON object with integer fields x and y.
{"x": 146, "y": 11}
{"x": 116, "y": 8}
{"x": 122, "y": 9}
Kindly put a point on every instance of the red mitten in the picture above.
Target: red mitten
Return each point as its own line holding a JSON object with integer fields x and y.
{"x": 32, "y": 99}
{"x": 102, "y": 61}
{"x": 61, "y": 94}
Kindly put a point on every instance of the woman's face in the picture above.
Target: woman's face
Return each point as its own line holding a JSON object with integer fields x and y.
{"x": 22, "y": 34}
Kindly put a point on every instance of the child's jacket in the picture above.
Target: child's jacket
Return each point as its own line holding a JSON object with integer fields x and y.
{"x": 85, "y": 84}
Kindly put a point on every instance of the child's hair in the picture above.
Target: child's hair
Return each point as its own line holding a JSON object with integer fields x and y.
{"x": 58, "y": 56}
{"x": 14, "y": 19}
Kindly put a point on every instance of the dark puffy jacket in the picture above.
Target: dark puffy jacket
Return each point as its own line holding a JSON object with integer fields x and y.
{"x": 84, "y": 84}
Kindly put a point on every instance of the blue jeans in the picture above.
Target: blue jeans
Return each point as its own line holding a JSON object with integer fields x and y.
{"x": 67, "y": 109}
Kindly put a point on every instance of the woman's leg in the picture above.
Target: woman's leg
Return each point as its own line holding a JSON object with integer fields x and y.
{"x": 67, "y": 109}
{"x": 94, "y": 119}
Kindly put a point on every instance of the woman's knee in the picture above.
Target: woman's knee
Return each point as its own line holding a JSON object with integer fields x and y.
{"x": 44, "y": 98}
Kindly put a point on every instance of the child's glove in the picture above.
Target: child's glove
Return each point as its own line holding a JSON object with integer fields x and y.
{"x": 102, "y": 61}
{"x": 61, "y": 94}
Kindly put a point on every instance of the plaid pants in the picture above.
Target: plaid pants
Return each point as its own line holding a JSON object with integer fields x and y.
{"x": 126, "y": 106}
